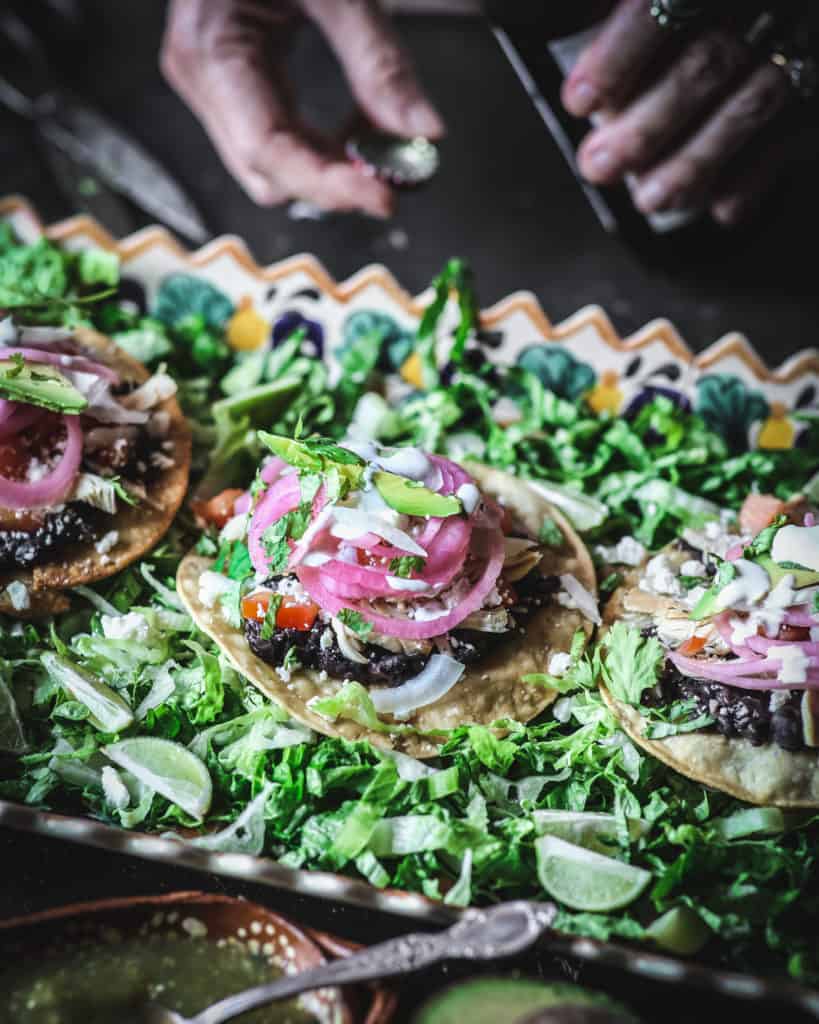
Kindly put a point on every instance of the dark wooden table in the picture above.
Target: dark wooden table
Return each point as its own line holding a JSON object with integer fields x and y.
{"x": 505, "y": 200}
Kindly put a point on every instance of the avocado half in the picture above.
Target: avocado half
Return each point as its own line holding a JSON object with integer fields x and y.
{"x": 520, "y": 1001}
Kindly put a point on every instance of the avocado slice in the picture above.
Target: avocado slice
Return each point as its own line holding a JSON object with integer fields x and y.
{"x": 39, "y": 384}
{"x": 489, "y": 1000}
{"x": 802, "y": 577}
{"x": 413, "y": 499}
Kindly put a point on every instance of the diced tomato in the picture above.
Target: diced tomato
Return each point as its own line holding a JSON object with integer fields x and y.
{"x": 255, "y": 606}
{"x": 759, "y": 511}
{"x": 217, "y": 510}
{"x": 367, "y": 558}
{"x": 693, "y": 645}
{"x": 292, "y": 614}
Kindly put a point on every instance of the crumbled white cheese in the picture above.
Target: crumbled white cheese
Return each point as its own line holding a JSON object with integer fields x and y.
{"x": 741, "y": 629}
{"x": 794, "y": 663}
{"x": 661, "y": 577}
{"x": 36, "y": 470}
{"x": 234, "y": 529}
{"x": 693, "y": 596}
{"x": 574, "y": 595}
{"x": 132, "y": 626}
{"x": 18, "y": 595}
{"x": 211, "y": 587}
{"x": 692, "y": 568}
{"x": 107, "y": 542}
{"x": 559, "y": 664}
{"x": 814, "y": 634}
{"x": 778, "y": 698}
{"x": 627, "y": 551}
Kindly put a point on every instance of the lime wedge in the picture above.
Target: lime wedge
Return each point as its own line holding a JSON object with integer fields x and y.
{"x": 109, "y": 712}
{"x": 592, "y": 829}
{"x": 168, "y": 768}
{"x": 680, "y": 931}
{"x": 585, "y": 880}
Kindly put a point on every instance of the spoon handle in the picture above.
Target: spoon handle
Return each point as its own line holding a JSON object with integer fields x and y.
{"x": 500, "y": 931}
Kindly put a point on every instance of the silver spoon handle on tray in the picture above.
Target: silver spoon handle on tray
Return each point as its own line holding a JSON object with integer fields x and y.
{"x": 497, "y": 932}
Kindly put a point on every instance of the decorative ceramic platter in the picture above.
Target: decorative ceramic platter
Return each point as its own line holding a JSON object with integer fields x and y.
{"x": 728, "y": 384}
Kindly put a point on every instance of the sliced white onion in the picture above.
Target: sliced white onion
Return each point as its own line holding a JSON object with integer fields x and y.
{"x": 353, "y": 522}
{"x": 436, "y": 679}
{"x": 581, "y": 598}
{"x": 8, "y": 332}
{"x": 44, "y": 334}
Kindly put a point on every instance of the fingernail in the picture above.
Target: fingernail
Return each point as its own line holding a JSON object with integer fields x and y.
{"x": 727, "y": 212}
{"x": 421, "y": 119}
{"x": 652, "y": 196}
{"x": 581, "y": 97}
{"x": 598, "y": 163}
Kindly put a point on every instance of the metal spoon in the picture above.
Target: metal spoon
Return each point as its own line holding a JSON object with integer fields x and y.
{"x": 500, "y": 931}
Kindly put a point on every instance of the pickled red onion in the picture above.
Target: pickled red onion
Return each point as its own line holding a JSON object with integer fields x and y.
{"x": 20, "y": 417}
{"x": 409, "y": 629}
{"x": 283, "y": 497}
{"x": 57, "y": 484}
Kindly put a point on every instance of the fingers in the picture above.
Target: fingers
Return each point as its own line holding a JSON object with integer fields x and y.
{"x": 378, "y": 68}
{"x": 607, "y": 71}
{"x": 636, "y": 137}
{"x": 685, "y": 178}
{"x": 739, "y": 195}
{"x": 214, "y": 54}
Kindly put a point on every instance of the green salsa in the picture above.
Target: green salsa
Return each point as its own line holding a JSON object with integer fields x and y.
{"x": 100, "y": 984}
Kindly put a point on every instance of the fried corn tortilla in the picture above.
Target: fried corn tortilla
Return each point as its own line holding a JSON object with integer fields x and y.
{"x": 140, "y": 526}
{"x": 490, "y": 690}
{"x": 764, "y": 774}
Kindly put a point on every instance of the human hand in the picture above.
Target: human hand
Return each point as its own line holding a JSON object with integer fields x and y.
{"x": 226, "y": 59}
{"x": 708, "y": 129}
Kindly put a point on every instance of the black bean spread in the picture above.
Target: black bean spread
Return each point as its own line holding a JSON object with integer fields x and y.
{"x": 317, "y": 648}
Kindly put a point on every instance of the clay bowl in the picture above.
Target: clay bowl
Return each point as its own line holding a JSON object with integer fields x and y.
{"x": 197, "y": 915}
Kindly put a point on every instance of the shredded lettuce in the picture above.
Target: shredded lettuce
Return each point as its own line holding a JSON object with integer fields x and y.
{"x": 463, "y": 826}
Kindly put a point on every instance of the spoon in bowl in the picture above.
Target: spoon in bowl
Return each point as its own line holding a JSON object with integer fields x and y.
{"x": 501, "y": 931}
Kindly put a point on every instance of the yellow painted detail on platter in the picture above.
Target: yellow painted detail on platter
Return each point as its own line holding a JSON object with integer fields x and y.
{"x": 777, "y": 431}
{"x": 247, "y": 330}
{"x": 412, "y": 371}
{"x": 606, "y": 395}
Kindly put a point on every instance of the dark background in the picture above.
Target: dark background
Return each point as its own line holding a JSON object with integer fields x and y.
{"x": 505, "y": 200}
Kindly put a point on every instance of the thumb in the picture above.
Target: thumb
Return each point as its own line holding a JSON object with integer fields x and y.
{"x": 377, "y": 66}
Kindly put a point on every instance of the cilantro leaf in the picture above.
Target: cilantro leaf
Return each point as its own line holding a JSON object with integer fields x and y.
{"x": 356, "y": 622}
{"x": 406, "y": 565}
{"x": 763, "y": 542}
{"x": 632, "y": 662}
{"x": 269, "y": 624}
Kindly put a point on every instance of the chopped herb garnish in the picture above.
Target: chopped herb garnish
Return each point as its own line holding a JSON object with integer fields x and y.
{"x": 291, "y": 659}
{"x": 356, "y": 622}
{"x": 406, "y": 565}
{"x": 550, "y": 534}
{"x": 269, "y": 624}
